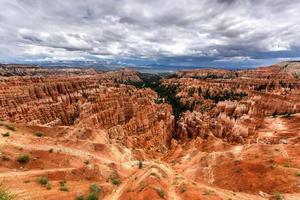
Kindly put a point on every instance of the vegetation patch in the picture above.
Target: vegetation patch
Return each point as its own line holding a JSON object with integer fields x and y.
{"x": 5, "y": 134}
{"x": 79, "y": 197}
{"x": 39, "y": 134}
{"x": 115, "y": 181}
{"x": 140, "y": 164}
{"x": 278, "y": 196}
{"x": 10, "y": 127}
{"x": 208, "y": 192}
{"x": 183, "y": 189}
{"x": 43, "y": 180}
{"x": 161, "y": 193}
{"x": 63, "y": 186}
{"x": 4, "y": 195}
{"x": 23, "y": 159}
{"x": 48, "y": 186}
{"x": 93, "y": 195}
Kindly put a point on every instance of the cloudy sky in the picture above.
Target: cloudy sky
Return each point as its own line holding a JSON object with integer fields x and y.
{"x": 156, "y": 33}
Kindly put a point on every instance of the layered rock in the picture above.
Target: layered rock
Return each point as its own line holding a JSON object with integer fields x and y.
{"x": 34, "y": 70}
{"x": 128, "y": 115}
{"x": 235, "y": 105}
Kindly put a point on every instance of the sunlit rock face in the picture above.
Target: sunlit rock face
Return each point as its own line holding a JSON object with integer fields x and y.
{"x": 234, "y": 105}
{"x": 207, "y": 134}
{"x": 129, "y": 115}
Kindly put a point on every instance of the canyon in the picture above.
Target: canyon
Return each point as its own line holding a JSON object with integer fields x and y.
{"x": 196, "y": 134}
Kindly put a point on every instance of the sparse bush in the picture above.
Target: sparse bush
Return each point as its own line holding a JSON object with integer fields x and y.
{"x": 4, "y": 195}
{"x": 142, "y": 186}
{"x": 274, "y": 114}
{"x": 278, "y": 196}
{"x": 48, "y": 186}
{"x": 79, "y": 197}
{"x": 43, "y": 180}
{"x": 94, "y": 192}
{"x": 297, "y": 173}
{"x": 5, "y": 134}
{"x": 5, "y": 158}
{"x": 208, "y": 192}
{"x": 153, "y": 174}
{"x": 86, "y": 162}
{"x": 95, "y": 188}
{"x": 1, "y": 119}
{"x": 183, "y": 189}
{"x": 63, "y": 186}
{"x": 140, "y": 164}
{"x": 10, "y": 127}
{"x": 191, "y": 92}
{"x": 92, "y": 196}
{"x": 39, "y": 134}
{"x": 50, "y": 150}
{"x": 238, "y": 170}
{"x": 23, "y": 158}
{"x": 161, "y": 193}
{"x": 115, "y": 181}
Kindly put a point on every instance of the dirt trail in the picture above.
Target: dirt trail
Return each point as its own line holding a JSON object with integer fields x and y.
{"x": 57, "y": 148}
{"x": 33, "y": 172}
{"x": 172, "y": 177}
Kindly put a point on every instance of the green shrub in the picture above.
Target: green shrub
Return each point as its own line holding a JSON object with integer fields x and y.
{"x": 39, "y": 134}
{"x": 95, "y": 188}
{"x": 94, "y": 192}
{"x": 43, "y": 180}
{"x": 48, "y": 186}
{"x": 79, "y": 197}
{"x": 92, "y": 196}
{"x": 4, "y": 195}
{"x": 10, "y": 127}
{"x": 115, "y": 181}
{"x": 206, "y": 192}
{"x": 86, "y": 162}
{"x": 5, "y": 134}
{"x": 297, "y": 173}
{"x": 278, "y": 196}
{"x": 5, "y": 158}
{"x": 1, "y": 119}
{"x": 23, "y": 159}
{"x": 63, "y": 186}
{"x": 161, "y": 193}
{"x": 191, "y": 92}
{"x": 183, "y": 189}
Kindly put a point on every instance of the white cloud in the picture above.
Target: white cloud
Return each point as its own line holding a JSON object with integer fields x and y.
{"x": 225, "y": 29}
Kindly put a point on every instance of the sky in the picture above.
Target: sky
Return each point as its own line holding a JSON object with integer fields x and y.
{"x": 154, "y": 35}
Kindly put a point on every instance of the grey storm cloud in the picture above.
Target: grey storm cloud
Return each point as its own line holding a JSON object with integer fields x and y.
{"x": 94, "y": 29}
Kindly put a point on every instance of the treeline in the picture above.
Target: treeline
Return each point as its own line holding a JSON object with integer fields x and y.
{"x": 217, "y": 96}
{"x": 166, "y": 93}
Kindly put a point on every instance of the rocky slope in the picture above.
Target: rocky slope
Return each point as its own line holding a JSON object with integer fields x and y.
{"x": 235, "y": 134}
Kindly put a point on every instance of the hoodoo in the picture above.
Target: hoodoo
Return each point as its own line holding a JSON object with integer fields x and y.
{"x": 206, "y": 134}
